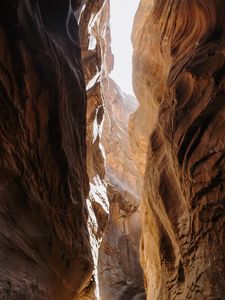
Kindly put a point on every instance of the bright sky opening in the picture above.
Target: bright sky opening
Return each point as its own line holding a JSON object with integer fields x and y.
{"x": 121, "y": 21}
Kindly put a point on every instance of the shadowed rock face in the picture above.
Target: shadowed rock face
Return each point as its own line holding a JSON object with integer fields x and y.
{"x": 179, "y": 79}
{"x": 44, "y": 241}
{"x": 47, "y": 235}
{"x": 49, "y": 239}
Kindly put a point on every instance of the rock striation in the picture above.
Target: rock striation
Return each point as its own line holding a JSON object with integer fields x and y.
{"x": 94, "y": 34}
{"x": 179, "y": 80}
{"x": 45, "y": 250}
{"x": 114, "y": 198}
{"x": 66, "y": 162}
{"x": 119, "y": 267}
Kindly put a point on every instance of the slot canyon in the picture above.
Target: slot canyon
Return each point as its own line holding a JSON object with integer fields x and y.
{"x": 104, "y": 194}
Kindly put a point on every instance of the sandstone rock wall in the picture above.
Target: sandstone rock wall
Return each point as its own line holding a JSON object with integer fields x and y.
{"x": 45, "y": 251}
{"x": 94, "y": 34}
{"x": 119, "y": 267}
{"x": 112, "y": 172}
{"x": 179, "y": 80}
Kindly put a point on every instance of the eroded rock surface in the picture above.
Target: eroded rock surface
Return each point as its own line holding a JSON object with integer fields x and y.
{"x": 178, "y": 77}
{"x": 94, "y": 31}
{"x": 45, "y": 250}
{"x": 120, "y": 272}
{"x": 112, "y": 172}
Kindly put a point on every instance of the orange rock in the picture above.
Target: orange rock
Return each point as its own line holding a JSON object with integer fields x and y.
{"x": 179, "y": 81}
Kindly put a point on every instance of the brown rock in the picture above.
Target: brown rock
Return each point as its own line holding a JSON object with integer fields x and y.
{"x": 119, "y": 267}
{"x": 93, "y": 19}
{"x": 111, "y": 169}
{"x": 44, "y": 242}
{"x": 178, "y": 78}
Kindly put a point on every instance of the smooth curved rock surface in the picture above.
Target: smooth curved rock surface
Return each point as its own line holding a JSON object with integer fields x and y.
{"x": 179, "y": 80}
{"x": 45, "y": 251}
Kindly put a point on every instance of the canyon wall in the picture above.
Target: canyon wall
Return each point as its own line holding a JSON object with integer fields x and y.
{"x": 55, "y": 60}
{"x": 119, "y": 267}
{"x": 112, "y": 172}
{"x": 179, "y": 80}
{"x": 94, "y": 32}
{"x": 45, "y": 250}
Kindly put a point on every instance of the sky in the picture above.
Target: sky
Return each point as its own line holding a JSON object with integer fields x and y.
{"x": 121, "y": 21}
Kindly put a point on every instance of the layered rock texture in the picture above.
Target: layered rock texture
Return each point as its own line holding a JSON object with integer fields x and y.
{"x": 54, "y": 56}
{"x": 94, "y": 32}
{"x": 179, "y": 80}
{"x": 119, "y": 267}
{"x": 64, "y": 236}
{"x": 45, "y": 251}
{"x": 112, "y": 172}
